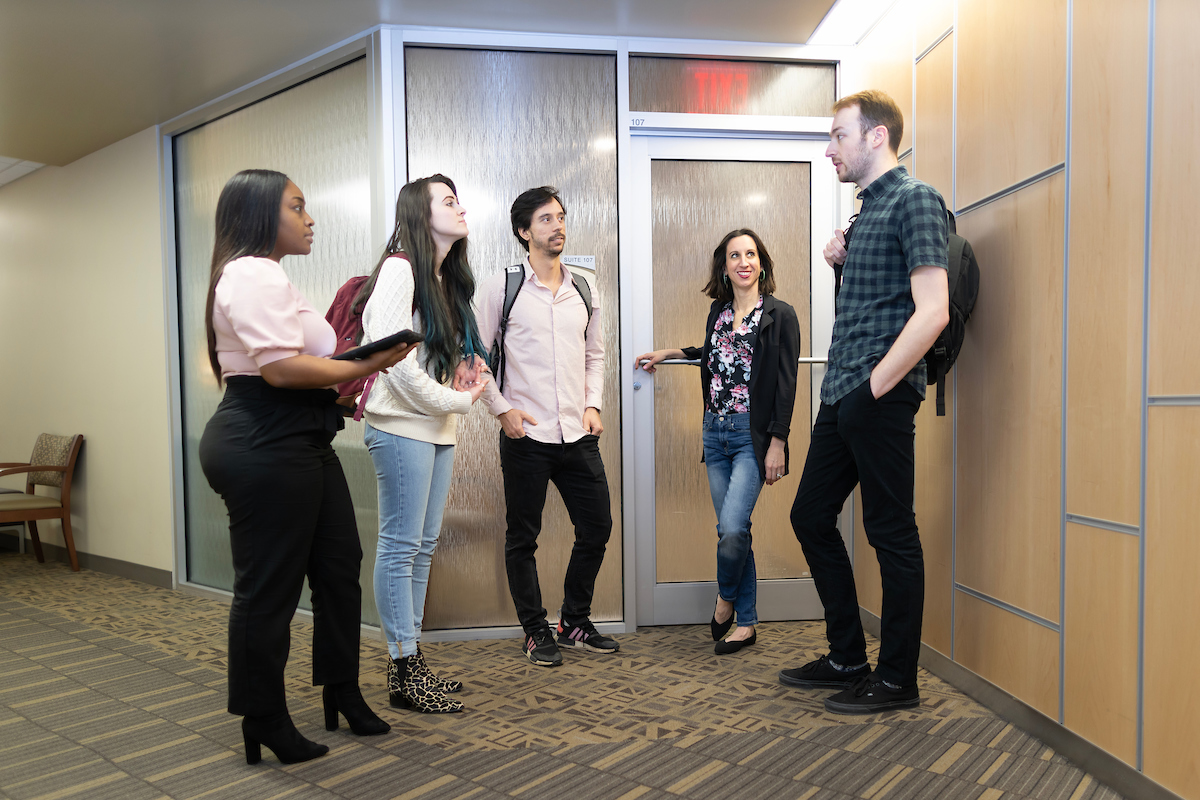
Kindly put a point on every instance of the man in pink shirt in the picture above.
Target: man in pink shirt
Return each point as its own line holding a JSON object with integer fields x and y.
{"x": 548, "y": 404}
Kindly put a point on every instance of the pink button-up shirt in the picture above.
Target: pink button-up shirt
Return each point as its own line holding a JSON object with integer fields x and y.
{"x": 552, "y": 370}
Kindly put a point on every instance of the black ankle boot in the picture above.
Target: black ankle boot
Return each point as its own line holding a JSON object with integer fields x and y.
{"x": 277, "y": 732}
{"x": 346, "y": 698}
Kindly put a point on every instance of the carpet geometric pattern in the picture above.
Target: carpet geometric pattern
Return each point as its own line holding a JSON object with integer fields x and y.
{"x": 114, "y": 689}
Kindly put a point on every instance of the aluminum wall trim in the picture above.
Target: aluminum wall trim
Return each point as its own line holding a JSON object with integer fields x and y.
{"x": 625, "y": 238}
{"x": 1066, "y": 310}
{"x": 1016, "y": 187}
{"x": 166, "y": 199}
{"x": 1146, "y": 254}
{"x": 941, "y": 38}
{"x": 1174, "y": 400}
{"x": 1009, "y": 607}
{"x": 1108, "y": 525}
{"x": 954, "y": 423}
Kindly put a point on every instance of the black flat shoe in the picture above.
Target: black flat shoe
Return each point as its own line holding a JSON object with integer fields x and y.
{"x": 346, "y": 698}
{"x": 719, "y": 629}
{"x": 278, "y": 732}
{"x": 728, "y": 648}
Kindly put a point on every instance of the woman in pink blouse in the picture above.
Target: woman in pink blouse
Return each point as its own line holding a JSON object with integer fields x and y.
{"x": 267, "y": 451}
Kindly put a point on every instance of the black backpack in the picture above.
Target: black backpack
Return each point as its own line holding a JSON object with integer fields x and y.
{"x": 963, "y": 285}
{"x": 514, "y": 279}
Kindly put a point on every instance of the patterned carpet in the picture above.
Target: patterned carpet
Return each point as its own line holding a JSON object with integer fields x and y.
{"x": 115, "y": 689}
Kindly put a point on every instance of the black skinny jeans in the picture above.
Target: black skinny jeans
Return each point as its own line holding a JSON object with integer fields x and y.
{"x": 863, "y": 440}
{"x": 267, "y": 452}
{"x": 578, "y": 472}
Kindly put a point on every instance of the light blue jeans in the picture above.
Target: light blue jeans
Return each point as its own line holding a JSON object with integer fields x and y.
{"x": 734, "y": 481}
{"x": 414, "y": 481}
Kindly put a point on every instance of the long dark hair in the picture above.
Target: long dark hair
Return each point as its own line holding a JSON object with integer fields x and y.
{"x": 247, "y": 224}
{"x": 718, "y": 288}
{"x": 449, "y": 323}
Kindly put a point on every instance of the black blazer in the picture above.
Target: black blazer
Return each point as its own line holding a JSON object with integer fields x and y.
{"x": 772, "y": 374}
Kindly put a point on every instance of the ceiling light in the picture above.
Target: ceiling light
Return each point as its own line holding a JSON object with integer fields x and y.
{"x": 848, "y": 21}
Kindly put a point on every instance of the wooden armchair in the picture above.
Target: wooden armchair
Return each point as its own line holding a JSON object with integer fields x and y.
{"x": 52, "y": 464}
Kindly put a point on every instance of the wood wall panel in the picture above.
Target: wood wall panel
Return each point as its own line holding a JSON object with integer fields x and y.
{"x": 1011, "y": 92}
{"x": 1104, "y": 320}
{"x": 1175, "y": 240}
{"x": 887, "y": 62}
{"x": 931, "y": 20}
{"x": 933, "y": 124}
{"x": 1101, "y": 630}
{"x": 1010, "y": 402}
{"x": 934, "y": 498}
{"x": 1019, "y": 656}
{"x": 1172, "y": 701}
{"x": 866, "y": 565}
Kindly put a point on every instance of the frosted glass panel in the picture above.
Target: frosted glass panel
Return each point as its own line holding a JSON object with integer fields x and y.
{"x": 498, "y": 123}
{"x": 316, "y": 133}
{"x": 693, "y": 86}
{"x": 695, "y": 203}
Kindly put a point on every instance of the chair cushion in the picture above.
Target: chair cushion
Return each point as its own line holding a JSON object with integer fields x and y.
{"x": 22, "y": 502}
{"x": 53, "y": 451}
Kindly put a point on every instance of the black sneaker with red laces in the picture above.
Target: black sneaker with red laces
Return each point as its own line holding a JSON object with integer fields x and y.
{"x": 586, "y": 636}
{"x": 540, "y": 649}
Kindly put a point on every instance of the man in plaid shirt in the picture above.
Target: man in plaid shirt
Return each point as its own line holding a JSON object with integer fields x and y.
{"x": 892, "y": 305}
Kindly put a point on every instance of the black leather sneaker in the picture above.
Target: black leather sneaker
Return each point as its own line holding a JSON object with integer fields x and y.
{"x": 540, "y": 649}
{"x": 870, "y": 695}
{"x": 821, "y": 673}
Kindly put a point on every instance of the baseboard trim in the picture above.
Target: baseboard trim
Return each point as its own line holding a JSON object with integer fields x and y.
{"x": 1097, "y": 762}
{"x": 110, "y": 566}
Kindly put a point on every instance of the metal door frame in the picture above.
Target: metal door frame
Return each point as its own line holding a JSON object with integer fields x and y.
{"x": 683, "y": 603}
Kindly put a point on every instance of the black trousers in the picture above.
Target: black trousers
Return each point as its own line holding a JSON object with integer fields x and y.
{"x": 578, "y": 472}
{"x": 267, "y": 452}
{"x": 863, "y": 440}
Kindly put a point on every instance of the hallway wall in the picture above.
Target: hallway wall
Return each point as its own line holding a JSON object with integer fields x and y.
{"x": 1056, "y": 499}
{"x": 85, "y": 348}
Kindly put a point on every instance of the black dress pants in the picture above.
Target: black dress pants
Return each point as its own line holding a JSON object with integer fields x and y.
{"x": 863, "y": 440}
{"x": 576, "y": 469}
{"x": 267, "y": 452}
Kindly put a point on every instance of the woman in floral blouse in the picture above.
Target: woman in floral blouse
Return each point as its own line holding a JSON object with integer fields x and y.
{"x": 748, "y": 378}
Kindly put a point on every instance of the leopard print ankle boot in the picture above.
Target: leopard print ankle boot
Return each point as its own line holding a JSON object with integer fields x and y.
{"x": 406, "y": 690}
{"x": 421, "y": 667}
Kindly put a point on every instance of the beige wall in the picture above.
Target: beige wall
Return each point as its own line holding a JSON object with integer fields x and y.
{"x": 1048, "y": 466}
{"x": 85, "y": 347}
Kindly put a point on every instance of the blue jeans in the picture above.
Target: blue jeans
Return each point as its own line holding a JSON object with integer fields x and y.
{"x": 414, "y": 481}
{"x": 733, "y": 479}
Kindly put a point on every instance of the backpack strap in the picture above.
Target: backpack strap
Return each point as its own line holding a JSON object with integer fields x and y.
{"x": 837, "y": 268}
{"x": 514, "y": 278}
{"x": 585, "y": 293}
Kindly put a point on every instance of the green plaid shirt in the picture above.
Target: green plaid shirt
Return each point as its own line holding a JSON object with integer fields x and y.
{"x": 902, "y": 226}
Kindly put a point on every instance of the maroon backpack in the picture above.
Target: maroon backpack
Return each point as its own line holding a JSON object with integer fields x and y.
{"x": 348, "y": 327}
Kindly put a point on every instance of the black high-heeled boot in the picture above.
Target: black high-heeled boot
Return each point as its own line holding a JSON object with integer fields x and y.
{"x": 278, "y": 732}
{"x": 347, "y": 698}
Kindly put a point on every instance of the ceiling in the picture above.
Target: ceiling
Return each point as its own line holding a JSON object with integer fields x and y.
{"x": 78, "y": 75}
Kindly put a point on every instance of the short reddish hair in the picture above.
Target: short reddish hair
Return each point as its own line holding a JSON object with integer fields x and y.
{"x": 876, "y": 108}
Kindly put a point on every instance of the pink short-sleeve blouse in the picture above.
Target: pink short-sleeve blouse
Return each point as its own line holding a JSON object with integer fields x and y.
{"x": 260, "y": 318}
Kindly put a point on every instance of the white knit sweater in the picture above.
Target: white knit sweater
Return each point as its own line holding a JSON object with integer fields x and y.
{"x": 407, "y": 401}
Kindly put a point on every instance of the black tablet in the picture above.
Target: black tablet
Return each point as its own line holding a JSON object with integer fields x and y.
{"x": 359, "y": 353}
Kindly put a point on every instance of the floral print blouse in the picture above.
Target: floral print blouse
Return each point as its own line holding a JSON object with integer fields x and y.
{"x": 730, "y": 358}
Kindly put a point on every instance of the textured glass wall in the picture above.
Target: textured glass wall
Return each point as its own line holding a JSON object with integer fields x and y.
{"x": 693, "y": 86}
{"x": 695, "y": 203}
{"x": 498, "y": 123}
{"x": 317, "y": 134}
